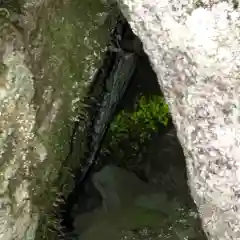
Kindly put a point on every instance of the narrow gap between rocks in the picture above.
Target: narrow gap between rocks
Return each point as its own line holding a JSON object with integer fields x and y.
{"x": 138, "y": 167}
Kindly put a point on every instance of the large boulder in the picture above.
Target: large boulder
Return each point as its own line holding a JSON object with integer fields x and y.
{"x": 49, "y": 53}
{"x": 118, "y": 187}
{"x": 133, "y": 209}
{"x": 193, "y": 47}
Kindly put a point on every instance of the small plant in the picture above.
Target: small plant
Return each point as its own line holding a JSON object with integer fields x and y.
{"x": 151, "y": 112}
{"x": 126, "y": 138}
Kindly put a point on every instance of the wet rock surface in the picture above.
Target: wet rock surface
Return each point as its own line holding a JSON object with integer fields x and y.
{"x": 110, "y": 84}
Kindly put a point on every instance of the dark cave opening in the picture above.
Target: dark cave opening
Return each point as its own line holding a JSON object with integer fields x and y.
{"x": 165, "y": 158}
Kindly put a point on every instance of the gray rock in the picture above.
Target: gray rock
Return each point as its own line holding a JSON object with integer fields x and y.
{"x": 193, "y": 53}
{"x": 118, "y": 187}
{"x": 158, "y": 202}
{"x": 134, "y": 211}
{"x": 38, "y": 107}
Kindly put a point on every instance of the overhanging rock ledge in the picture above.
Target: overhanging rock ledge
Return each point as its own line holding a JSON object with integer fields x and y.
{"x": 193, "y": 51}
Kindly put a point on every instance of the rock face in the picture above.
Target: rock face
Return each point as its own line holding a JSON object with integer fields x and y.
{"x": 117, "y": 187}
{"x": 114, "y": 84}
{"x": 132, "y": 209}
{"x": 169, "y": 175}
{"x": 110, "y": 84}
{"x": 49, "y": 52}
{"x": 193, "y": 50}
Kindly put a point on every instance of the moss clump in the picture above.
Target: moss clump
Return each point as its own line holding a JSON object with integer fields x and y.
{"x": 129, "y": 132}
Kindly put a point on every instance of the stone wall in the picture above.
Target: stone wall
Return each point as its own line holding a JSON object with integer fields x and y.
{"x": 49, "y": 53}
{"x": 193, "y": 47}
{"x": 110, "y": 83}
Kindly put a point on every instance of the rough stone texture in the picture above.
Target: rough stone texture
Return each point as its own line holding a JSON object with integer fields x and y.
{"x": 118, "y": 187}
{"x": 17, "y": 121}
{"x": 109, "y": 85}
{"x": 114, "y": 87}
{"x": 115, "y": 84}
{"x": 195, "y": 54}
{"x": 47, "y": 61}
{"x": 131, "y": 207}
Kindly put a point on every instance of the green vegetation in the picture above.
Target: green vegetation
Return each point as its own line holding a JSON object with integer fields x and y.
{"x": 129, "y": 133}
{"x": 73, "y": 37}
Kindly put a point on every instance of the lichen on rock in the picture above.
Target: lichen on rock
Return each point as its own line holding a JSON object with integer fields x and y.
{"x": 17, "y": 121}
{"x": 195, "y": 56}
{"x": 46, "y": 69}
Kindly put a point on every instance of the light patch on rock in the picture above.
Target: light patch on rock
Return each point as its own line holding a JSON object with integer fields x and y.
{"x": 47, "y": 94}
{"x": 21, "y": 193}
{"x": 17, "y": 121}
{"x": 51, "y": 116}
{"x": 41, "y": 151}
{"x": 196, "y": 58}
{"x": 34, "y": 3}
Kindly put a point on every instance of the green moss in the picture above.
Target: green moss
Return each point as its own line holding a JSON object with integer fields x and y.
{"x": 73, "y": 43}
{"x": 49, "y": 193}
{"x": 129, "y": 132}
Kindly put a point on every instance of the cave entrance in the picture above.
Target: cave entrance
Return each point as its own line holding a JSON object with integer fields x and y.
{"x": 141, "y": 139}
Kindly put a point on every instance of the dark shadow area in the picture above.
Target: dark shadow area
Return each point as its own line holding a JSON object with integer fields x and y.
{"x": 96, "y": 96}
{"x": 144, "y": 81}
{"x": 162, "y": 160}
